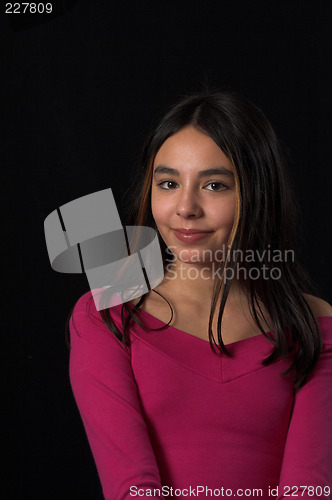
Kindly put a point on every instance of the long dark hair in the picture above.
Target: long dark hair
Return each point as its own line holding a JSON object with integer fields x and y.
{"x": 265, "y": 220}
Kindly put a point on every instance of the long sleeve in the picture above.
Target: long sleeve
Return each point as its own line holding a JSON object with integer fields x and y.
{"x": 106, "y": 395}
{"x": 307, "y": 458}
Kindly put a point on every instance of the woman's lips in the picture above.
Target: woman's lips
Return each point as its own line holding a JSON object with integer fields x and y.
{"x": 188, "y": 236}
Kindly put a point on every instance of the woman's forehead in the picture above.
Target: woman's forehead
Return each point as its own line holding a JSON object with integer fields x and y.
{"x": 190, "y": 150}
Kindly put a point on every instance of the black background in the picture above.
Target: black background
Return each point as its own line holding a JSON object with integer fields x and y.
{"x": 79, "y": 93}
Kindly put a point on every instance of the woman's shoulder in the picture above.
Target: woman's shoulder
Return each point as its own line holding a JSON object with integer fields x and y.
{"x": 91, "y": 303}
{"x": 319, "y": 307}
{"x": 86, "y": 319}
{"x": 85, "y": 309}
{"x": 322, "y": 310}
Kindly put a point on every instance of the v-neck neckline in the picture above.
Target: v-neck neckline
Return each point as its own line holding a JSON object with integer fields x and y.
{"x": 182, "y": 332}
{"x": 195, "y": 354}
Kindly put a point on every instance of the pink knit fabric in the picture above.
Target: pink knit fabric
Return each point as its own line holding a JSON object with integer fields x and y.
{"x": 168, "y": 411}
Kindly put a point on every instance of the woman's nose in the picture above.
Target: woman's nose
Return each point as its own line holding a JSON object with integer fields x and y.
{"x": 188, "y": 205}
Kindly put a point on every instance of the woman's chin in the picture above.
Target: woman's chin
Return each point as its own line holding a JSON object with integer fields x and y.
{"x": 193, "y": 257}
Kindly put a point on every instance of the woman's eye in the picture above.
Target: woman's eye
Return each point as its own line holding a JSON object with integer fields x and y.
{"x": 167, "y": 185}
{"x": 216, "y": 186}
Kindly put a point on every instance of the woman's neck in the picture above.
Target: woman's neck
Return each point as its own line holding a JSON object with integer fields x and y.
{"x": 194, "y": 281}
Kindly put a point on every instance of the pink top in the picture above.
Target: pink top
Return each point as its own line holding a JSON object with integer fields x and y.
{"x": 169, "y": 412}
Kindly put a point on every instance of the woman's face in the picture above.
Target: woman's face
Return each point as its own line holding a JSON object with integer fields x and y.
{"x": 193, "y": 196}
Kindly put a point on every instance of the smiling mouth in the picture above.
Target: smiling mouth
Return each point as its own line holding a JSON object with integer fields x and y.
{"x": 190, "y": 235}
{"x": 191, "y": 231}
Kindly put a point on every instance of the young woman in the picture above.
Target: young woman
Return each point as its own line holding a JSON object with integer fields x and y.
{"x": 219, "y": 381}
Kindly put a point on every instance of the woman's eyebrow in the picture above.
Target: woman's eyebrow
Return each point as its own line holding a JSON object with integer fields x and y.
{"x": 162, "y": 169}
{"x": 215, "y": 171}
